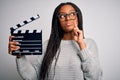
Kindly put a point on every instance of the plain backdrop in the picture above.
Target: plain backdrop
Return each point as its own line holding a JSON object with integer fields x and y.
{"x": 101, "y": 20}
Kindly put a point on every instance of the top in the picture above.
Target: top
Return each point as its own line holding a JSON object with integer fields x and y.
{"x": 72, "y": 63}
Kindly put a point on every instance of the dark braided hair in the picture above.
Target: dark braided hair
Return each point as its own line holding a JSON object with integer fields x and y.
{"x": 55, "y": 39}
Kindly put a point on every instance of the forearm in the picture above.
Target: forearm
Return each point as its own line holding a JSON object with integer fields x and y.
{"x": 82, "y": 45}
{"x": 90, "y": 66}
{"x": 25, "y": 69}
{"x": 90, "y": 62}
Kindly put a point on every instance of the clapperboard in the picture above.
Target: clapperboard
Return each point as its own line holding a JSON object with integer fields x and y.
{"x": 30, "y": 41}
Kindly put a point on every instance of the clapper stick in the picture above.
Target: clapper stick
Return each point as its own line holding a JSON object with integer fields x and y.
{"x": 24, "y": 23}
{"x": 30, "y": 41}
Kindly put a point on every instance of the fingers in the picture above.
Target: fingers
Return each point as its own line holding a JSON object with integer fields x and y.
{"x": 10, "y": 38}
{"x": 76, "y": 32}
{"x": 76, "y": 29}
{"x": 13, "y": 49}
{"x": 12, "y": 46}
{"x": 76, "y": 26}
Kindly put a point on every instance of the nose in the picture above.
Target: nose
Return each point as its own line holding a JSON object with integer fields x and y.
{"x": 67, "y": 17}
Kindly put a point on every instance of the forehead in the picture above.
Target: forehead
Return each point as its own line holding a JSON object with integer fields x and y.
{"x": 66, "y": 9}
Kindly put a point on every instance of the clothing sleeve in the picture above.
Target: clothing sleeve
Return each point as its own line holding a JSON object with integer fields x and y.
{"x": 90, "y": 62}
{"x": 27, "y": 70}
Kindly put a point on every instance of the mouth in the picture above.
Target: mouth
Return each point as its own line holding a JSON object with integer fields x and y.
{"x": 68, "y": 24}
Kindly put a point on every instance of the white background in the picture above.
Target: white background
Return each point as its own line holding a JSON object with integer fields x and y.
{"x": 101, "y": 22}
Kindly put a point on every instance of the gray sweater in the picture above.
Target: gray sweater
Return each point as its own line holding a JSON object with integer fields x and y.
{"x": 72, "y": 63}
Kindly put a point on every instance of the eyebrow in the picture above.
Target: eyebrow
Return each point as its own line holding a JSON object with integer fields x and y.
{"x": 69, "y": 11}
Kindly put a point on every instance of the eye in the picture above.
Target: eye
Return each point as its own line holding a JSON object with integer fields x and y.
{"x": 72, "y": 14}
{"x": 61, "y": 16}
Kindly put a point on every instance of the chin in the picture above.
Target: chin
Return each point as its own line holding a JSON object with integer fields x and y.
{"x": 68, "y": 30}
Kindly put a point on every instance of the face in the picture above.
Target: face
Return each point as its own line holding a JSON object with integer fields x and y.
{"x": 68, "y": 18}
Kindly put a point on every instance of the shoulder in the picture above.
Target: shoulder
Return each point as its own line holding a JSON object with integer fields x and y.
{"x": 90, "y": 41}
{"x": 91, "y": 44}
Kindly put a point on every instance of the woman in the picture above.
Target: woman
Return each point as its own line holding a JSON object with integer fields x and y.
{"x": 67, "y": 55}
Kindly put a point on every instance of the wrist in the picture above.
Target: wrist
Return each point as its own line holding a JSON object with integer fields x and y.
{"x": 18, "y": 56}
{"x": 82, "y": 45}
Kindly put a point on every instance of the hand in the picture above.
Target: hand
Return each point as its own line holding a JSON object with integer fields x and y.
{"x": 77, "y": 34}
{"x": 78, "y": 37}
{"x": 12, "y": 45}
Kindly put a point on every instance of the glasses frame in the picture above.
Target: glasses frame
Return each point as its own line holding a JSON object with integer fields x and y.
{"x": 67, "y": 15}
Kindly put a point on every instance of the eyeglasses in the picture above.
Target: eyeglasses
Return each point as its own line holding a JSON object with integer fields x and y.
{"x": 71, "y": 15}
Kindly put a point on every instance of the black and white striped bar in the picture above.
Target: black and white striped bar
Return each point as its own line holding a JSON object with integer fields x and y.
{"x": 30, "y": 42}
{"x": 24, "y": 23}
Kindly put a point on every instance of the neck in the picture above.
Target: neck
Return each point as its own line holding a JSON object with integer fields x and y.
{"x": 67, "y": 36}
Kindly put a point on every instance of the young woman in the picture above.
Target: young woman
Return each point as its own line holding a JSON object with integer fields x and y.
{"x": 67, "y": 55}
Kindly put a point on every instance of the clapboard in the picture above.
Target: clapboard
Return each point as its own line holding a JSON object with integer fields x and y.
{"x": 30, "y": 41}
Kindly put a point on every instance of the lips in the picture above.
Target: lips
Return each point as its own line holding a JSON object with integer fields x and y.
{"x": 68, "y": 24}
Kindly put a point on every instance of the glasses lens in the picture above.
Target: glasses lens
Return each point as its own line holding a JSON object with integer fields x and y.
{"x": 62, "y": 16}
{"x": 71, "y": 15}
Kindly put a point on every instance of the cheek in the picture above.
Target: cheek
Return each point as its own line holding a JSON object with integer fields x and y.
{"x": 76, "y": 21}
{"x": 62, "y": 25}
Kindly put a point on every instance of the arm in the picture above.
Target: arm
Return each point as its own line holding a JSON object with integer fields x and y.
{"x": 90, "y": 63}
{"x": 24, "y": 67}
{"x": 89, "y": 56}
{"x": 28, "y": 71}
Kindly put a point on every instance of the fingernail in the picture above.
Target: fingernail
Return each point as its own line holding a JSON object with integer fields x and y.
{"x": 18, "y": 47}
{"x": 17, "y": 42}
